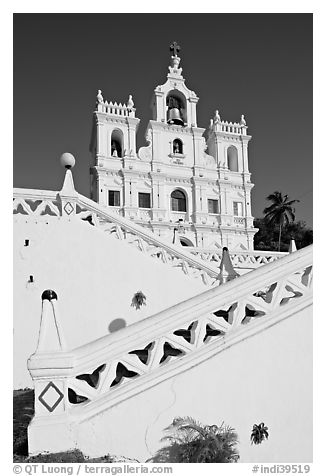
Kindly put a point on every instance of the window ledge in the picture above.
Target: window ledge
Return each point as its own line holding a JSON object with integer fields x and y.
{"x": 177, "y": 156}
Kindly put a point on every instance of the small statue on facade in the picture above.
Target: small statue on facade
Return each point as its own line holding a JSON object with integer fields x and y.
{"x": 149, "y": 136}
{"x": 114, "y": 152}
{"x": 243, "y": 121}
{"x": 130, "y": 103}
{"x": 176, "y": 148}
{"x": 217, "y": 117}
{"x": 99, "y": 97}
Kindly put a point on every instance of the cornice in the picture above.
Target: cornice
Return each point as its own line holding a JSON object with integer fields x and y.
{"x": 230, "y": 137}
{"x": 163, "y": 126}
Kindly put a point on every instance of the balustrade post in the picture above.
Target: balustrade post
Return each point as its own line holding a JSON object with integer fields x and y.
{"x": 50, "y": 366}
{"x": 292, "y": 246}
{"x": 227, "y": 271}
{"x": 68, "y": 195}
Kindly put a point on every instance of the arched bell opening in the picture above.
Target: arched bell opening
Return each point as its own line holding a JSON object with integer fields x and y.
{"x": 178, "y": 201}
{"x": 177, "y": 146}
{"x": 116, "y": 143}
{"x": 176, "y": 108}
{"x": 232, "y": 156}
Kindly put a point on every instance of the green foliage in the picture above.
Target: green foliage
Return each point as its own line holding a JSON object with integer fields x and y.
{"x": 280, "y": 212}
{"x": 138, "y": 300}
{"x": 74, "y": 456}
{"x": 23, "y": 411}
{"x": 259, "y": 434}
{"x": 189, "y": 441}
{"x": 267, "y": 236}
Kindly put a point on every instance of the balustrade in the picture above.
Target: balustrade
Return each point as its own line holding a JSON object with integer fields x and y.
{"x": 74, "y": 206}
{"x": 36, "y": 202}
{"x": 116, "y": 366}
{"x": 116, "y": 109}
{"x": 239, "y": 221}
{"x": 233, "y": 128}
{"x": 240, "y": 259}
{"x": 48, "y": 203}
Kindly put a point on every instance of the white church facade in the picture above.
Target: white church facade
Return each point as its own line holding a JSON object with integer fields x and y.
{"x": 189, "y": 185}
{"x": 99, "y": 364}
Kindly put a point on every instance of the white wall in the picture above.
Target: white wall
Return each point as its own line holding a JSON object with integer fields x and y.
{"x": 95, "y": 277}
{"x": 266, "y": 378}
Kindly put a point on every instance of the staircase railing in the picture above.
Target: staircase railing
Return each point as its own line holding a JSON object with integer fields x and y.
{"x": 72, "y": 205}
{"x": 146, "y": 241}
{"x": 194, "y": 262}
{"x": 95, "y": 376}
{"x": 240, "y": 259}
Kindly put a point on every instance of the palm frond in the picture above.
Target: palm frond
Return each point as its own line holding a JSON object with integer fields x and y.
{"x": 189, "y": 441}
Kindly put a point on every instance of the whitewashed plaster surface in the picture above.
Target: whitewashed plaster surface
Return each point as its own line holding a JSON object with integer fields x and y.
{"x": 95, "y": 277}
{"x": 265, "y": 378}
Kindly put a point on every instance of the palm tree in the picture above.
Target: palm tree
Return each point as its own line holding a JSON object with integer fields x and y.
{"x": 280, "y": 212}
{"x": 192, "y": 442}
{"x": 259, "y": 433}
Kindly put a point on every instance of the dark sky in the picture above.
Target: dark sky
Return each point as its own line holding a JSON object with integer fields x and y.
{"x": 259, "y": 65}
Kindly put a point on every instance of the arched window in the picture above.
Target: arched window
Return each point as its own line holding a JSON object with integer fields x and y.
{"x": 178, "y": 201}
{"x": 116, "y": 143}
{"x": 232, "y": 155}
{"x": 177, "y": 146}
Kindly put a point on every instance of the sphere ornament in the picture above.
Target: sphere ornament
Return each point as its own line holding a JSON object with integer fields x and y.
{"x": 49, "y": 295}
{"x": 67, "y": 160}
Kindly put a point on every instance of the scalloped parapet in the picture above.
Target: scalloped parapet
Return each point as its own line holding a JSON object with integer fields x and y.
{"x": 115, "y": 109}
{"x": 217, "y": 125}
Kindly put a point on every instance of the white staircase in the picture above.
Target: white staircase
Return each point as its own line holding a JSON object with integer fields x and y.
{"x": 79, "y": 392}
{"x": 194, "y": 262}
{"x": 70, "y": 205}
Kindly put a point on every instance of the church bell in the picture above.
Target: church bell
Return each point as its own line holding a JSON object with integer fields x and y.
{"x": 174, "y": 116}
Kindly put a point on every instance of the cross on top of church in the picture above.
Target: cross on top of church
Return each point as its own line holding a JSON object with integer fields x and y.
{"x": 175, "y": 48}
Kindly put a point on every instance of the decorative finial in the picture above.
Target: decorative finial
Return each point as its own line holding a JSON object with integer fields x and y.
{"x": 67, "y": 160}
{"x": 243, "y": 121}
{"x": 130, "y": 103}
{"x": 292, "y": 246}
{"x": 175, "y": 48}
{"x": 99, "y": 97}
{"x": 50, "y": 338}
{"x": 227, "y": 271}
{"x": 49, "y": 295}
{"x": 175, "y": 71}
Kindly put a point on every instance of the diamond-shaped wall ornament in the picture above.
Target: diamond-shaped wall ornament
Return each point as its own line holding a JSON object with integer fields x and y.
{"x": 68, "y": 208}
{"x": 50, "y": 397}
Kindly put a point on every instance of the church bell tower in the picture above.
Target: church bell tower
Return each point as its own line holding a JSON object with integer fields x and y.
{"x": 189, "y": 185}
